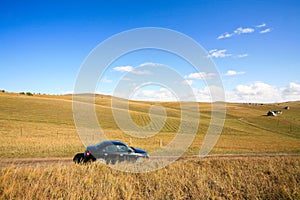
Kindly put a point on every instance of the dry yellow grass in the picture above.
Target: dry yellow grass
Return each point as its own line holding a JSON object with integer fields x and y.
{"x": 223, "y": 178}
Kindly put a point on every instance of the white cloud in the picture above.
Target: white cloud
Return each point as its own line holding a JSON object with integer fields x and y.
{"x": 237, "y": 31}
{"x": 209, "y": 94}
{"x": 200, "y": 75}
{"x": 291, "y": 92}
{"x": 265, "y": 31}
{"x": 261, "y": 25}
{"x": 257, "y": 92}
{"x": 233, "y": 73}
{"x": 150, "y": 64}
{"x": 241, "y": 30}
{"x": 215, "y": 53}
{"x": 162, "y": 94}
{"x": 225, "y": 35}
{"x": 218, "y": 53}
{"x": 202, "y": 95}
{"x": 260, "y": 92}
{"x": 129, "y": 68}
{"x": 256, "y": 88}
{"x": 254, "y": 92}
{"x": 123, "y": 68}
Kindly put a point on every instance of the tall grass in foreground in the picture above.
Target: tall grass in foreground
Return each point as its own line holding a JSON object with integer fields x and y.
{"x": 243, "y": 178}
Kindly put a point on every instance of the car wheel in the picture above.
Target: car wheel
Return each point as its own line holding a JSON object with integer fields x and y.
{"x": 78, "y": 158}
{"x": 101, "y": 160}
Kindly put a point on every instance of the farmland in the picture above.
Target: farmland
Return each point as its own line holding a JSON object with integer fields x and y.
{"x": 43, "y": 126}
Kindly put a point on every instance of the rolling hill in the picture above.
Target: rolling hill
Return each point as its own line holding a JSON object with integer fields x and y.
{"x": 43, "y": 126}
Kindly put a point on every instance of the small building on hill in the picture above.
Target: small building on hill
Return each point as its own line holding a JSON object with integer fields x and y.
{"x": 278, "y": 112}
{"x": 271, "y": 113}
{"x": 274, "y": 112}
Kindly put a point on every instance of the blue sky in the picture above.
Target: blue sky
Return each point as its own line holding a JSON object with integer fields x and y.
{"x": 254, "y": 44}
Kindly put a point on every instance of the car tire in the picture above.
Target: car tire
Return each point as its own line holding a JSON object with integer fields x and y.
{"x": 78, "y": 158}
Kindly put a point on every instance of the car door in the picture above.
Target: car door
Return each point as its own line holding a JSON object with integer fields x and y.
{"x": 131, "y": 156}
{"x": 123, "y": 153}
{"x": 110, "y": 153}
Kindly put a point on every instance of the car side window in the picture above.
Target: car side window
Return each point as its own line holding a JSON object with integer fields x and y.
{"x": 111, "y": 148}
{"x": 122, "y": 148}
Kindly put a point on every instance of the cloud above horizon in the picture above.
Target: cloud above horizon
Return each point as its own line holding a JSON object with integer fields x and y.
{"x": 162, "y": 94}
{"x": 256, "y": 92}
{"x": 260, "y": 92}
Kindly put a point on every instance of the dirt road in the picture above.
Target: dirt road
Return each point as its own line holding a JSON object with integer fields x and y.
{"x": 5, "y": 162}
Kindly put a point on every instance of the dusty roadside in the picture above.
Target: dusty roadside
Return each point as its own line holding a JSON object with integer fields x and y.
{"x": 5, "y": 162}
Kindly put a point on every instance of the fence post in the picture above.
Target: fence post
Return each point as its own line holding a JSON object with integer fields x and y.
{"x": 21, "y": 130}
{"x": 160, "y": 143}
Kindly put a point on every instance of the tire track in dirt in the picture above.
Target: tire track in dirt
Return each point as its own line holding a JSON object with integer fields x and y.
{"x": 4, "y": 162}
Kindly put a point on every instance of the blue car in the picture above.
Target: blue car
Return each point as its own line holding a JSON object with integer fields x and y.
{"x": 111, "y": 151}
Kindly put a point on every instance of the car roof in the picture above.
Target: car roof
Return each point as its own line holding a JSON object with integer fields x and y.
{"x": 108, "y": 142}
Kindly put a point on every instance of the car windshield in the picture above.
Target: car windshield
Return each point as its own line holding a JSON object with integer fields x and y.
{"x": 130, "y": 149}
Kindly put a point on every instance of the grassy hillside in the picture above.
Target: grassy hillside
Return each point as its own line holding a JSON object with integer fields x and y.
{"x": 43, "y": 126}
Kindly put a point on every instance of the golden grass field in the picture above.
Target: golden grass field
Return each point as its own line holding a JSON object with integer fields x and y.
{"x": 222, "y": 178}
{"x": 42, "y": 126}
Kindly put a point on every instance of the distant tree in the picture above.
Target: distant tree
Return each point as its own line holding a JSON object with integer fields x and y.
{"x": 3, "y": 91}
{"x": 22, "y": 93}
{"x": 29, "y": 94}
